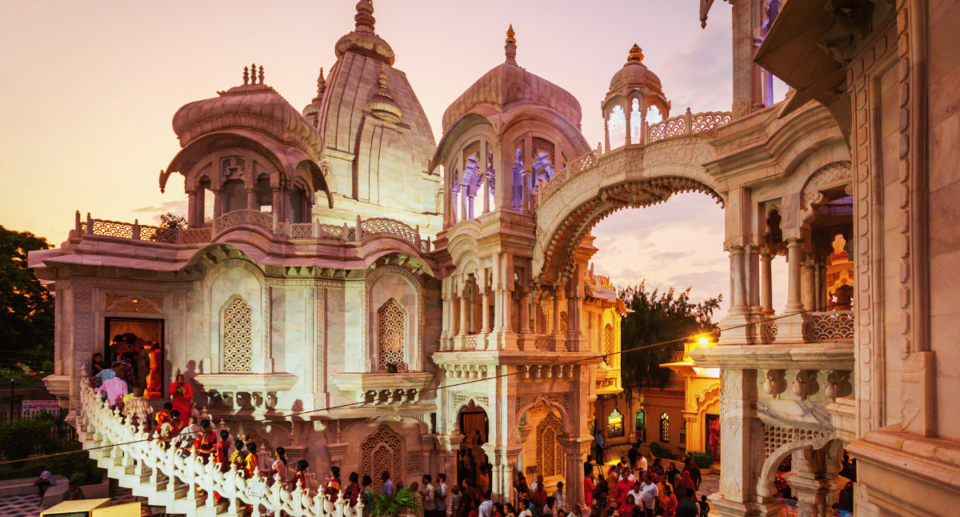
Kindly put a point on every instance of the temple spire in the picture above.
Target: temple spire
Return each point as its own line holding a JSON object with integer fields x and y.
{"x": 364, "y": 17}
{"x": 321, "y": 86}
{"x": 510, "y": 49}
{"x": 636, "y": 54}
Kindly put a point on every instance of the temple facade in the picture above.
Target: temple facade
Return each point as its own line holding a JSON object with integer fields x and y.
{"x": 354, "y": 291}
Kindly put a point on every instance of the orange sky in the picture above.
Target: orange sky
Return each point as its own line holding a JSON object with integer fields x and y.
{"x": 88, "y": 89}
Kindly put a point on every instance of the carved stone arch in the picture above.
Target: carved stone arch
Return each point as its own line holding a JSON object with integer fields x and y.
{"x": 639, "y": 193}
{"x": 711, "y": 395}
{"x": 459, "y": 401}
{"x": 215, "y": 303}
{"x": 551, "y": 460}
{"x": 413, "y": 318}
{"x": 557, "y": 401}
{"x": 382, "y": 450}
{"x": 814, "y": 440}
{"x": 831, "y": 175}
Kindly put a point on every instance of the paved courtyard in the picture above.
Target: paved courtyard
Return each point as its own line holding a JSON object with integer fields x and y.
{"x": 27, "y": 505}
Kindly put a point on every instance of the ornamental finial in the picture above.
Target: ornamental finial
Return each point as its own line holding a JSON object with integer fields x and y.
{"x": 636, "y": 54}
{"x": 246, "y": 75}
{"x": 510, "y": 49}
{"x": 364, "y": 18}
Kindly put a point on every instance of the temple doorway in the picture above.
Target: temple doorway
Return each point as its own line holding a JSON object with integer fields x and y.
{"x": 471, "y": 458}
{"x": 712, "y": 435}
{"x": 138, "y": 343}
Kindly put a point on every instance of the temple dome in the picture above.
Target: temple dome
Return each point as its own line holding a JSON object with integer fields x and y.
{"x": 635, "y": 75}
{"x": 508, "y": 83}
{"x": 252, "y": 105}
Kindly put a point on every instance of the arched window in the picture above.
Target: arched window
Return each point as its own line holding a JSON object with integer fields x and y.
{"x": 608, "y": 344}
{"x": 615, "y": 424}
{"x": 550, "y": 458}
{"x": 237, "y": 337}
{"x": 382, "y": 451}
{"x": 391, "y": 329}
{"x": 640, "y": 425}
{"x": 664, "y": 428}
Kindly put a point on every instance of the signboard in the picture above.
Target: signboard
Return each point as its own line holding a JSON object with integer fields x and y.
{"x": 120, "y": 510}
{"x": 35, "y": 407}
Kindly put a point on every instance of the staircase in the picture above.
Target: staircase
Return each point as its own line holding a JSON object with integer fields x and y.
{"x": 166, "y": 478}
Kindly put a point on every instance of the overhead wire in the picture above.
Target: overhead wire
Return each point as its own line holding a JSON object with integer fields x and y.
{"x": 447, "y": 386}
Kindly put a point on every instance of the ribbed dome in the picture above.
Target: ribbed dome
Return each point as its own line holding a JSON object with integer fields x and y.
{"x": 509, "y": 83}
{"x": 635, "y": 74}
{"x": 252, "y": 106}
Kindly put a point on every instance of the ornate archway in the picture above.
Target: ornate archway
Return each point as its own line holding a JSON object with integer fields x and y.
{"x": 382, "y": 451}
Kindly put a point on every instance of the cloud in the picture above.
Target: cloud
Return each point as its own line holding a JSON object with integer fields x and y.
{"x": 178, "y": 206}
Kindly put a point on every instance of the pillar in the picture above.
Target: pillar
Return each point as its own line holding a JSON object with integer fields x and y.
{"x": 448, "y": 444}
{"x": 555, "y": 329}
{"x": 741, "y": 448}
{"x": 766, "y": 282}
{"x": 808, "y": 285}
{"x": 606, "y": 132}
{"x": 752, "y": 283}
{"x": 575, "y": 310}
{"x": 807, "y": 484}
{"x": 217, "y": 204}
{"x": 626, "y": 118}
{"x": 576, "y": 450}
{"x": 252, "y": 199}
{"x": 277, "y": 207}
{"x": 193, "y": 211}
{"x": 735, "y": 328}
{"x": 524, "y": 313}
{"x": 461, "y": 293}
{"x": 791, "y": 328}
{"x": 484, "y": 312}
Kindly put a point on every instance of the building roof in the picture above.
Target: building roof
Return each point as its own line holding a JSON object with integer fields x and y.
{"x": 253, "y": 105}
{"x": 509, "y": 83}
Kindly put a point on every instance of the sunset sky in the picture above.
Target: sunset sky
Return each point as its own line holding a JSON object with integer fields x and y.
{"x": 88, "y": 90}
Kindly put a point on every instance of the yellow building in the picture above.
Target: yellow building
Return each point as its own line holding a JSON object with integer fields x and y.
{"x": 701, "y": 406}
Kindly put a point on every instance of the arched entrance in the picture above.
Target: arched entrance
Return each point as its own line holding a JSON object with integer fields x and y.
{"x": 472, "y": 461}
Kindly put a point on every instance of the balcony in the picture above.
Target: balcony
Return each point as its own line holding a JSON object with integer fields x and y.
{"x": 382, "y": 389}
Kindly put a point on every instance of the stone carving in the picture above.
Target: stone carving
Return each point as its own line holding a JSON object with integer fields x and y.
{"x": 517, "y": 174}
{"x": 835, "y": 173}
{"x": 541, "y": 171}
{"x": 382, "y": 451}
{"x": 237, "y": 337}
{"x": 550, "y": 457}
{"x": 837, "y": 326}
{"x": 391, "y": 336}
{"x": 491, "y": 175}
{"x": 774, "y": 382}
{"x": 775, "y": 437}
{"x": 134, "y": 304}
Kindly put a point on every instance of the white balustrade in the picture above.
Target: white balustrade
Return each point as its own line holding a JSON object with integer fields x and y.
{"x": 167, "y": 478}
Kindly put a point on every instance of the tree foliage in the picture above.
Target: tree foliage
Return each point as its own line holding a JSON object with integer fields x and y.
{"x": 26, "y": 308}
{"x": 171, "y": 220}
{"x": 657, "y": 317}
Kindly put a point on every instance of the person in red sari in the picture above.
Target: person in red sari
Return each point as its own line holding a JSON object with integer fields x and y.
{"x": 221, "y": 451}
{"x": 588, "y": 487}
{"x": 205, "y": 440}
{"x": 181, "y": 396}
{"x": 164, "y": 415}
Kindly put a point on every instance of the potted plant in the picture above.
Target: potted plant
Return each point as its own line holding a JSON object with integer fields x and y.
{"x": 403, "y": 501}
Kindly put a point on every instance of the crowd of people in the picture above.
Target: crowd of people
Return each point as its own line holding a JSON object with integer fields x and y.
{"x": 633, "y": 487}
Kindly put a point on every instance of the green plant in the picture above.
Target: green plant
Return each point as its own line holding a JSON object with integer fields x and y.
{"x": 659, "y": 451}
{"x": 21, "y": 438}
{"x": 388, "y": 505}
{"x": 77, "y": 467}
{"x": 702, "y": 459}
{"x": 18, "y": 472}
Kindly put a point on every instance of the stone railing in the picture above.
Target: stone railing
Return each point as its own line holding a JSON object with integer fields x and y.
{"x": 830, "y": 327}
{"x": 293, "y": 231}
{"x": 170, "y": 479}
{"x": 768, "y": 331}
{"x": 575, "y": 167}
{"x": 688, "y": 124}
{"x": 470, "y": 342}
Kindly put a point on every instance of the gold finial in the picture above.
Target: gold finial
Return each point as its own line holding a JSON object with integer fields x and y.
{"x": 510, "y": 36}
{"x": 636, "y": 54}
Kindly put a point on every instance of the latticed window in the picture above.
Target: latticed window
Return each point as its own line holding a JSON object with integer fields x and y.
{"x": 382, "y": 451}
{"x": 664, "y": 428}
{"x": 390, "y": 335}
{"x": 550, "y": 457}
{"x": 608, "y": 344}
{"x": 564, "y": 326}
{"x": 541, "y": 145}
{"x": 237, "y": 337}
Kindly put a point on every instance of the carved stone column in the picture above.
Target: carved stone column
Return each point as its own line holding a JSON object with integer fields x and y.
{"x": 447, "y": 445}
{"x": 576, "y": 451}
{"x": 252, "y": 199}
{"x": 766, "y": 282}
{"x": 736, "y": 328}
{"x": 790, "y": 329}
{"x": 808, "y": 294}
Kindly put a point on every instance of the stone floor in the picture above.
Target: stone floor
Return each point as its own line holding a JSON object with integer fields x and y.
{"x": 28, "y": 505}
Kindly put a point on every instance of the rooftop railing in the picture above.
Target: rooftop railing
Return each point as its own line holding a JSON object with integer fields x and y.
{"x": 314, "y": 231}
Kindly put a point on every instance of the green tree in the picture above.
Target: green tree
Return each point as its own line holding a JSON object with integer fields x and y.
{"x": 26, "y": 317}
{"x": 657, "y": 317}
